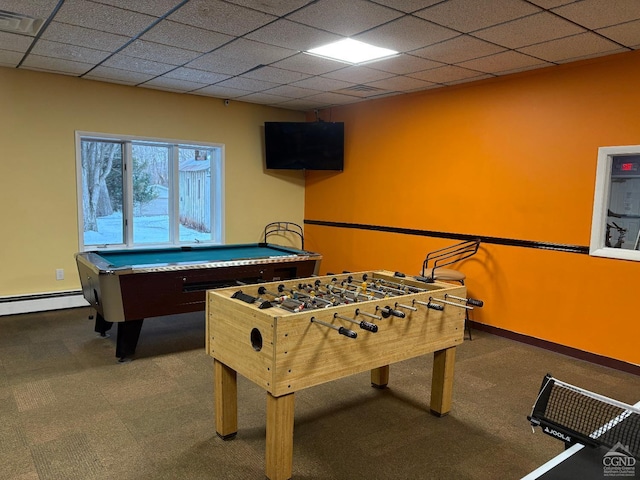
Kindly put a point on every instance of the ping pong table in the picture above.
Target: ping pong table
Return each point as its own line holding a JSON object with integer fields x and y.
{"x": 580, "y": 462}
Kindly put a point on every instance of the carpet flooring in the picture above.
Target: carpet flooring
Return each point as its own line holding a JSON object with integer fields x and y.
{"x": 69, "y": 411}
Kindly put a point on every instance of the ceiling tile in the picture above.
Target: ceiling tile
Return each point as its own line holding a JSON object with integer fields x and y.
{"x": 459, "y": 49}
{"x": 600, "y": 13}
{"x": 508, "y": 61}
{"x": 104, "y": 18}
{"x": 401, "y": 84}
{"x": 249, "y": 84}
{"x": 220, "y": 91}
{"x": 193, "y": 75}
{"x": 448, "y": 73}
{"x": 118, "y": 75}
{"x": 358, "y": 74}
{"x": 309, "y": 64}
{"x": 538, "y": 28}
{"x": 185, "y": 36}
{"x": 83, "y": 37}
{"x": 157, "y": 8}
{"x": 407, "y": 6}
{"x": 221, "y": 17}
{"x": 173, "y": 84}
{"x": 406, "y": 34}
{"x": 276, "y": 75}
{"x": 235, "y": 48}
{"x": 322, "y": 84}
{"x": 331, "y": 98}
{"x": 14, "y": 42}
{"x": 292, "y": 35}
{"x": 274, "y": 7}
{"x": 468, "y": 79}
{"x": 69, "y": 52}
{"x": 214, "y": 62}
{"x": 140, "y": 65}
{"x": 159, "y": 53}
{"x": 626, "y": 33}
{"x": 264, "y": 98}
{"x": 292, "y": 92}
{"x": 470, "y": 15}
{"x": 9, "y": 58}
{"x": 551, "y": 3}
{"x": 404, "y": 64}
{"x": 344, "y": 18}
{"x": 57, "y": 65}
{"x": 302, "y": 104}
{"x": 257, "y": 53}
{"x": 572, "y": 48}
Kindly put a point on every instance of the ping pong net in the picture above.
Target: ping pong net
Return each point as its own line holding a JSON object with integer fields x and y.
{"x": 575, "y": 415}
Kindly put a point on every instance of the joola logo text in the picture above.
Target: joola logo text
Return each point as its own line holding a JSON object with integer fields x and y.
{"x": 557, "y": 434}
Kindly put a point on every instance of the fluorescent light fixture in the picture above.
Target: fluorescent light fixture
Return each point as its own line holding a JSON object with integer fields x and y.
{"x": 352, "y": 51}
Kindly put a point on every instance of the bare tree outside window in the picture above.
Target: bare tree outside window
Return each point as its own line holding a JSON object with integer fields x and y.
{"x": 149, "y": 192}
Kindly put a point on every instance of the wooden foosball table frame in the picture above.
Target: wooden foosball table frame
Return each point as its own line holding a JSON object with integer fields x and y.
{"x": 284, "y": 351}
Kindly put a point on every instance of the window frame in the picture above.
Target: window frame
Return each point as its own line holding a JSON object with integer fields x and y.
{"x": 602, "y": 197}
{"x": 217, "y": 190}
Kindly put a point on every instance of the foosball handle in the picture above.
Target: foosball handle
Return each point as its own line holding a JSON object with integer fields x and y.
{"x": 244, "y": 297}
{"x": 347, "y": 333}
{"x": 420, "y": 278}
{"x": 370, "y": 327}
{"x": 475, "y": 302}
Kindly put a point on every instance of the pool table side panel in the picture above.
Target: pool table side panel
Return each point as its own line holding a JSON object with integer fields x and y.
{"x": 119, "y": 296}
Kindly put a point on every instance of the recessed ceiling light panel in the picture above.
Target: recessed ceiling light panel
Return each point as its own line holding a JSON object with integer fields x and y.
{"x": 352, "y": 51}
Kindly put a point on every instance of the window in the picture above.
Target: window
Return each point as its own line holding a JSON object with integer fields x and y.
{"x": 136, "y": 192}
{"x": 615, "y": 228}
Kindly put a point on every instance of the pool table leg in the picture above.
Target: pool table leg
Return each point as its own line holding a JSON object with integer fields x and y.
{"x": 127, "y": 340}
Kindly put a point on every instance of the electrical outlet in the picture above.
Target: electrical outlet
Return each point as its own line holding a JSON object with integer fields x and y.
{"x": 59, "y": 273}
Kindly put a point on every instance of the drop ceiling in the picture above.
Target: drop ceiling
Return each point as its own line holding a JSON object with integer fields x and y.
{"x": 253, "y": 50}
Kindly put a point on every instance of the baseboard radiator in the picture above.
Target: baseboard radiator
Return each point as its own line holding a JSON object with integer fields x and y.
{"x": 40, "y": 302}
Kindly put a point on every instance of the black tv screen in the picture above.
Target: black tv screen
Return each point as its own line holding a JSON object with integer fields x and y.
{"x": 304, "y": 145}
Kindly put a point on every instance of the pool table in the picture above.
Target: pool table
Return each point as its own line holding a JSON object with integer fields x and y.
{"x": 127, "y": 286}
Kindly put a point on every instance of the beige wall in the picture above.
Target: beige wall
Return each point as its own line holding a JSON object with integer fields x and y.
{"x": 39, "y": 114}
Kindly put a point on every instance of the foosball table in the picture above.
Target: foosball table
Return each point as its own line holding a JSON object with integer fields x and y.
{"x": 291, "y": 335}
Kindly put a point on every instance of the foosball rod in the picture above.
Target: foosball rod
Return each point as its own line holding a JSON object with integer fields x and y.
{"x": 432, "y": 306}
{"x": 406, "y": 307}
{"x": 403, "y": 287}
{"x": 344, "y": 292}
{"x": 454, "y": 304}
{"x": 364, "y": 287}
{"x": 370, "y": 327}
{"x": 367, "y": 314}
{"x": 311, "y": 297}
{"x": 341, "y": 330}
{"x": 469, "y": 301}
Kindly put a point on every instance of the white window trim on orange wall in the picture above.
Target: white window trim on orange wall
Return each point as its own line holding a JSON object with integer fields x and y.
{"x": 598, "y": 247}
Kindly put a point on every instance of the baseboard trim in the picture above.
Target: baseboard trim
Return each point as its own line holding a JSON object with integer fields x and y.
{"x": 558, "y": 348}
{"x": 40, "y": 302}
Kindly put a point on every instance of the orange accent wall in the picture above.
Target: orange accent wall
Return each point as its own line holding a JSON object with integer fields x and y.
{"x": 513, "y": 158}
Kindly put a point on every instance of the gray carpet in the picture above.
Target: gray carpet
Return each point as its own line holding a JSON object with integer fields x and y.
{"x": 68, "y": 410}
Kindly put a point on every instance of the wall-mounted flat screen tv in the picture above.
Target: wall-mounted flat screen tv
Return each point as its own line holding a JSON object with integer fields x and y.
{"x": 304, "y": 145}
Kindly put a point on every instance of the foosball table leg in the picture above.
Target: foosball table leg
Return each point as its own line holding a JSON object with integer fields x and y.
{"x": 279, "y": 444}
{"x": 380, "y": 377}
{"x": 442, "y": 381}
{"x": 226, "y": 400}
